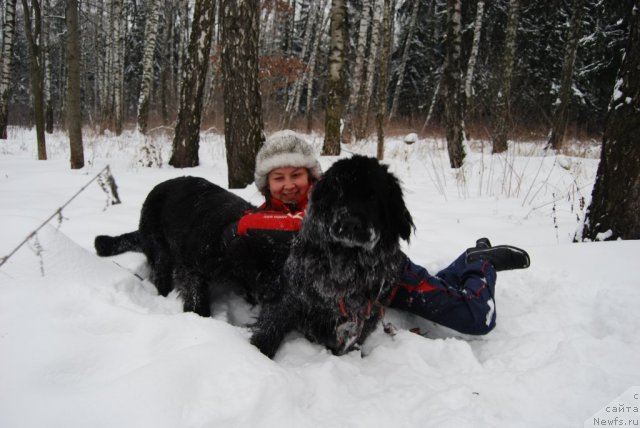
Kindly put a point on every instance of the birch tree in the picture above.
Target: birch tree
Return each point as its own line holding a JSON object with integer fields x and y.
{"x": 183, "y": 41}
{"x": 503, "y": 98}
{"x": 186, "y": 141}
{"x": 111, "y": 80}
{"x": 150, "y": 37}
{"x": 74, "y": 111}
{"x": 452, "y": 79}
{"x": 561, "y": 114}
{"x": 177, "y": 19}
{"x": 166, "y": 73}
{"x": 287, "y": 44}
{"x": 273, "y": 26}
{"x": 614, "y": 211}
{"x": 243, "y": 123}
{"x": 104, "y": 87}
{"x": 475, "y": 45}
{"x": 405, "y": 56}
{"x": 357, "y": 76}
{"x": 335, "y": 79}
{"x": 46, "y": 56}
{"x": 310, "y": 76}
{"x": 33, "y": 31}
{"x": 102, "y": 35}
{"x": 118, "y": 66}
{"x": 8, "y": 30}
{"x": 293, "y": 104}
{"x": 384, "y": 77}
{"x": 377, "y": 33}
{"x": 438, "y": 75}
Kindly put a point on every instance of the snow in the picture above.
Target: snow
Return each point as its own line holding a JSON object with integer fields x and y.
{"x": 85, "y": 343}
{"x": 604, "y": 235}
{"x": 411, "y": 138}
{"x": 617, "y": 92}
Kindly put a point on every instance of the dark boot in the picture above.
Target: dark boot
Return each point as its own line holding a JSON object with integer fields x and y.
{"x": 502, "y": 257}
{"x": 483, "y": 243}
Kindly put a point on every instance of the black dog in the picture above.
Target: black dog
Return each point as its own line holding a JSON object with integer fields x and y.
{"x": 182, "y": 232}
{"x": 343, "y": 262}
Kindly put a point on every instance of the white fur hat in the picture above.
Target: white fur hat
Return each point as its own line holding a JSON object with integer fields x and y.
{"x": 284, "y": 149}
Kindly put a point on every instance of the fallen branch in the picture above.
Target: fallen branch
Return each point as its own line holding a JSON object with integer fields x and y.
{"x": 107, "y": 183}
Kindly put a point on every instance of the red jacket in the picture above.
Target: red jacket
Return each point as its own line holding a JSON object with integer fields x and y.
{"x": 276, "y": 217}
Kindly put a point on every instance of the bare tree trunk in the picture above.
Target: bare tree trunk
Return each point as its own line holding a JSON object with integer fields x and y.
{"x": 118, "y": 67}
{"x": 453, "y": 84}
{"x": 384, "y": 77}
{"x": 501, "y": 122}
{"x": 165, "y": 74}
{"x": 103, "y": 67}
{"x": 213, "y": 82}
{"x": 150, "y": 37}
{"x": 435, "y": 35}
{"x": 111, "y": 75}
{"x": 357, "y": 76}
{"x": 561, "y": 115}
{"x": 8, "y": 30}
{"x": 310, "y": 77}
{"x": 186, "y": 141}
{"x": 405, "y": 57}
{"x": 434, "y": 99}
{"x": 276, "y": 26}
{"x": 48, "y": 104}
{"x": 177, "y": 50}
{"x": 183, "y": 45}
{"x": 74, "y": 110}
{"x": 33, "y": 31}
{"x": 290, "y": 28}
{"x": 473, "y": 56}
{"x": 243, "y": 124}
{"x": 113, "y": 21}
{"x": 361, "y": 118}
{"x": 267, "y": 22}
{"x": 335, "y": 79}
{"x": 293, "y": 105}
{"x": 614, "y": 211}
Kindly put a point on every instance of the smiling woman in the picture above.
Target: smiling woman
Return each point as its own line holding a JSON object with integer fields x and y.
{"x": 289, "y": 184}
{"x": 286, "y": 169}
{"x": 285, "y": 157}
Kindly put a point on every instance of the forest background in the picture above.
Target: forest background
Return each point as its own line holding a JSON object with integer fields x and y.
{"x": 294, "y": 45}
{"x": 497, "y": 70}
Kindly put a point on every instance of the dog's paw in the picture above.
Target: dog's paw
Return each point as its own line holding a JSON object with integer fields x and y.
{"x": 264, "y": 343}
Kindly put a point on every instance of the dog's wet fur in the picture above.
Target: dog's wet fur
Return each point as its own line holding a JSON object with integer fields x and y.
{"x": 182, "y": 230}
{"x": 344, "y": 261}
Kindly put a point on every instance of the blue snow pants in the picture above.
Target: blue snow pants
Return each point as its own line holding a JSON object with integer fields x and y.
{"x": 460, "y": 297}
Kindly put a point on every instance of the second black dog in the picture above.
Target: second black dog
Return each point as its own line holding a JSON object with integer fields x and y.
{"x": 181, "y": 232}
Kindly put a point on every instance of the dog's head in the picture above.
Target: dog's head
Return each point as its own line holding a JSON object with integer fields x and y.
{"x": 359, "y": 203}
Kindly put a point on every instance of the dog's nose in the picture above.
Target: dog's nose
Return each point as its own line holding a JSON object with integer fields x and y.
{"x": 350, "y": 225}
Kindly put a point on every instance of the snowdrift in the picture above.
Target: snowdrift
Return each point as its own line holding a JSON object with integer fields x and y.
{"x": 87, "y": 342}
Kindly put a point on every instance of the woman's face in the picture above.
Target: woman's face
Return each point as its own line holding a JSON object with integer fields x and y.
{"x": 289, "y": 184}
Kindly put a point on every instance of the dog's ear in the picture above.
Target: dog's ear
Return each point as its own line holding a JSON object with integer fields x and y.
{"x": 323, "y": 188}
{"x": 399, "y": 212}
{"x": 318, "y": 189}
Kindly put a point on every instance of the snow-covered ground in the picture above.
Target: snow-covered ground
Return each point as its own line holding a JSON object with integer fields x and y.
{"x": 85, "y": 343}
